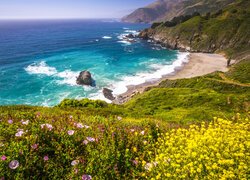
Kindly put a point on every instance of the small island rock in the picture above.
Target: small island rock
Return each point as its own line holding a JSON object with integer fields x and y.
{"x": 84, "y": 78}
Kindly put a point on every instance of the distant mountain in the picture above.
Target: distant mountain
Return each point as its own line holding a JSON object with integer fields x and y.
{"x": 226, "y": 31}
{"x": 164, "y": 10}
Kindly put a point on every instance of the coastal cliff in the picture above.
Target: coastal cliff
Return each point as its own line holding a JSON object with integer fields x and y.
{"x": 165, "y": 10}
{"x": 225, "y": 31}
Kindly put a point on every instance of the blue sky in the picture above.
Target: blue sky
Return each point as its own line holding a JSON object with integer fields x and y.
{"x": 44, "y": 9}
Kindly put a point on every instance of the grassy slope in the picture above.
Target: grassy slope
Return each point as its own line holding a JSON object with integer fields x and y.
{"x": 228, "y": 32}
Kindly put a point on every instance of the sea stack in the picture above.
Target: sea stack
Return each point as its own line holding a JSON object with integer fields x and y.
{"x": 84, "y": 78}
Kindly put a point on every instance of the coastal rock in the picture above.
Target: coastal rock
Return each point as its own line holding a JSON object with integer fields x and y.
{"x": 84, "y": 78}
{"x": 108, "y": 94}
{"x": 130, "y": 36}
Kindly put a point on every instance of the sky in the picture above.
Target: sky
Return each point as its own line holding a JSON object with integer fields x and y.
{"x": 68, "y": 9}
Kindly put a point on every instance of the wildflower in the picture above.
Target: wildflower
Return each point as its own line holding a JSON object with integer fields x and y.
{"x": 134, "y": 149}
{"x": 48, "y": 126}
{"x": 143, "y": 132}
{"x": 38, "y": 114}
{"x": 86, "y": 177}
{"x": 10, "y": 121}
{"x": 46, "y": 158}
{"x": 85, "y": 142}
{"x": 75, "y": 162}
{"x": 135, "y": 162}
{"x": 76, "y": 171}
{"x": 71, "y": 117}
{"x": 34, "y": 146}
{"x": 132, "y": 130}
{"x": 148, "y": 166}
{"x": 86, "y": 127}
{"x": 19, "y": 133}
{"x": 119, "y": 118}
{"x": 13, "y": 164}
{"x": 25, "y": 122}
{"x": 71, "y": 132}
{"x": 3, "y": 158}
{"x": 90, "y": 139}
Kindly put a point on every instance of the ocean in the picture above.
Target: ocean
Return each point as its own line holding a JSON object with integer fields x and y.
{"x": 40, "y": 60}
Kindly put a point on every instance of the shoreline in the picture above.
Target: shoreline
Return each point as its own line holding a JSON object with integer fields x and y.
{"x": 198, "y": 64}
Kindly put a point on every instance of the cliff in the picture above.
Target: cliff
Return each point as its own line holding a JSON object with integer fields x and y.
{"x": 225, "y": 31}
{"x": 164, "y": 10}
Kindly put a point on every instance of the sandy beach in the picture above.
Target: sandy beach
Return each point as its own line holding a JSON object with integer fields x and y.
{"x": 199, "y": 64}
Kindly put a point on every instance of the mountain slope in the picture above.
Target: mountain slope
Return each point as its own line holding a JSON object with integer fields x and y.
{"x": 224, "y": 31}
{"x": 163, "y": 10}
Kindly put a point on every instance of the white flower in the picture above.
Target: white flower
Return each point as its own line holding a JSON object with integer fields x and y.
{"x": 119, "y": 118}
{"x": 86, "y": 127}
{"x": 19, "y": 133}
{"x": 143, "y": 132}
{"x": 75, "y": 162}
{"x": 13, "y": 164}
{"x": 71, "y": 132}
{"x": 25, "y": 122}
{"x": 148, "y": 166}
{"x": 90, "y": 139}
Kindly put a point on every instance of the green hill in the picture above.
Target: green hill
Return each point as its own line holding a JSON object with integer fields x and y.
{"x": 225, "y": 31}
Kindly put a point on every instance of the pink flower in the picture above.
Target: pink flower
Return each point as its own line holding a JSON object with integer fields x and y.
{"x": 46, "y": 158}
{"x": 71, "y": 117}
{"x": 48, "y": 126}
{"x": 76, "y": 171}
{"x": 13, "y": 164}
{"x": 143, "y": 132}
{"x": 71, "y": 132}
{"x": 85, "y": 142}
{"x": 10, "y": 121}
{"x": 135, "y": 162}
{"x": 86, "y": 177}
{"x": 90, "y": 139}
{"x": 75, "y": 162}
{"x": 3, "y": 158}
{"x": 34, "y": 146}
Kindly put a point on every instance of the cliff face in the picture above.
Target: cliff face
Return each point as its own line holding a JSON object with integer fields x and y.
{"x": 226, "y": 31}
{"x": 164, "y": 10}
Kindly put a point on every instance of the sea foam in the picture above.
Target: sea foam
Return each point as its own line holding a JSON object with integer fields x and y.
{"x": 107, "y": 37}
{"x": 41, "y": 68}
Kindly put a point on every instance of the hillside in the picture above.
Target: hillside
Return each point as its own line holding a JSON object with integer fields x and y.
{"x": 175, "y": 122}
{"x": 224, "y": 31}
{"x": 164, "y": 10}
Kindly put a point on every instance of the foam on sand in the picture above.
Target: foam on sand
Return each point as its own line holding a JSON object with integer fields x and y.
{"x": 143, "y": 77}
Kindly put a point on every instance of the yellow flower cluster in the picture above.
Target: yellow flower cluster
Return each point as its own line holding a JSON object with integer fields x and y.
{"x": 219, "y": 150}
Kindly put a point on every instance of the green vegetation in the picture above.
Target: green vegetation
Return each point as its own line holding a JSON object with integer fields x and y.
{"x": 79, "y": 139}
{"x": 168, "y": 132}
{"x": 224, "y": 31}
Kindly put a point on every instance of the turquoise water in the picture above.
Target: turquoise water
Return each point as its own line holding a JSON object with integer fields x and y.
{"x": 39, "y": 61}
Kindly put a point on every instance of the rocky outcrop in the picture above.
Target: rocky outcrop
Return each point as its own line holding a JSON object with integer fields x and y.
{"x": 108, "y": 94}
{"x": 85, "y": 78}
